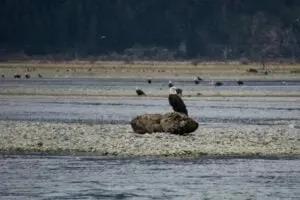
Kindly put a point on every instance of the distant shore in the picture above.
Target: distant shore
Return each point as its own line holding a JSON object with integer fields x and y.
{"x": 172, "y": 69}
{"x": 119, "y": 140}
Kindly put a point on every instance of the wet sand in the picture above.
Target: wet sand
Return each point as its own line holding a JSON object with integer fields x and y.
{"x": 119, "y": 140}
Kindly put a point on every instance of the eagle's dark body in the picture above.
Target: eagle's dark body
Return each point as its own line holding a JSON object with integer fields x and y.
{"x": 218, "y": 83}
{"x": 177, "y": 104}
{"x": 239, "y": 82}
{"x": 140, "y": 92}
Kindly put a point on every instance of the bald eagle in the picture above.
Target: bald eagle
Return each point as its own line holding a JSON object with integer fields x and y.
{"x": 197, "y": 80}
{"x": 176, "y": 102}
{"x": 239, "y": 82}
{"x": 139, "y": 91}
{"x": 170, "y": 84}
{"x": 218, "y": 83}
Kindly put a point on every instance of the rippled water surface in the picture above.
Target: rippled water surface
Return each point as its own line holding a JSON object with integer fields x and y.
{"x": 69, "y": 177}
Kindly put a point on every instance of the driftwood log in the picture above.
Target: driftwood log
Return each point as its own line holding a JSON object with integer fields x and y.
{"x": 174, "y": 123}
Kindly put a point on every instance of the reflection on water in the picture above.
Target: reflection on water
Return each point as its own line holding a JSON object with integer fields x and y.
{"x": 70, "y": 177}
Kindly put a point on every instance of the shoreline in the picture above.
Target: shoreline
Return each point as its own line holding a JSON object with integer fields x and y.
{"x": 149, "y": 96}
{"x": 184, "y": 157}
{"x": 154, "y": 69}
{"x": 119, "y": 140}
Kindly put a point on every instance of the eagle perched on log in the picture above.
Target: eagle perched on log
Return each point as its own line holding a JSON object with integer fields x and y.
{"x": 176, "y": 102}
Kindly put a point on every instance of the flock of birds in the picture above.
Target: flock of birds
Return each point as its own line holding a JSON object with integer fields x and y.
{"x": 197, "y": 81}
{"x": 175, "y": 94}
{"x": 18, "y": 76}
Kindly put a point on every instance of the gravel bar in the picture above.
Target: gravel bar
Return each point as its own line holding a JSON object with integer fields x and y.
{"x": 119, "y": 140}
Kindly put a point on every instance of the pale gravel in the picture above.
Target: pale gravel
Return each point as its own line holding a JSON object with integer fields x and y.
{"x": 119, "y": 140}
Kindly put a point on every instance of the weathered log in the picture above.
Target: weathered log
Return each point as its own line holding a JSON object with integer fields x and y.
{"x": 174, "y": 123}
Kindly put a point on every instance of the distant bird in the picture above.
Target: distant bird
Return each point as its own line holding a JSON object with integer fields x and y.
{"x": 251, "y": 70}
{"x": 139, "y": 92}
{"x": 284, "y": 82}
{"x": 218, "y": 83}
{"x": 27, "y": 76}
{"x": 196, "y": 80}
{"x": 2, "y": 76}
{"x": 239, "y": 82}
{"x": 170, "y": 84}
{"x": 40, "y": 76}
{"x": 149, "y": 81}
{"x": 17, "y": 76}
{"x": 179, "y": 91}
{"x": 176, "y": 102}
{"x": 266, "y": 73}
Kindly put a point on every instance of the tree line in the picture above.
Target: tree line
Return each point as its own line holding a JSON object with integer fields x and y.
{"x": 152, "y": 29}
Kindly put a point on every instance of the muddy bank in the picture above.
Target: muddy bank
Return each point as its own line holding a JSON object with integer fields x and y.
{"x": 119, "y": 140}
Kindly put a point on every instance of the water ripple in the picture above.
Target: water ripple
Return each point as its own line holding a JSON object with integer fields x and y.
{"x": 29, "y": 177}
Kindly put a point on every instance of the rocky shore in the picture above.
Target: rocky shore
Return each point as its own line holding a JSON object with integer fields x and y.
{"x": 120, "y": 140}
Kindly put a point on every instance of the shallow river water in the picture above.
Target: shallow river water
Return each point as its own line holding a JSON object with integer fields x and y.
{"x": 69, "y": 177}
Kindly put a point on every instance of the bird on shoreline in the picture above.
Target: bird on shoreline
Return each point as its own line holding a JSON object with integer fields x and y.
{"x": 218, "y": 83}
{"x": 178, "y": 91}
{"x": 149, "y": 81}
{"x": 176, "y": 102}
{"x": 197, "y": 80}
{"x": 239, "y": 82}
{"x": 139, "y": 91}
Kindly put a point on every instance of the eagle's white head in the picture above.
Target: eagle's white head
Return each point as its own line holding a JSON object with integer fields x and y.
{"x": 172, "y": 90}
